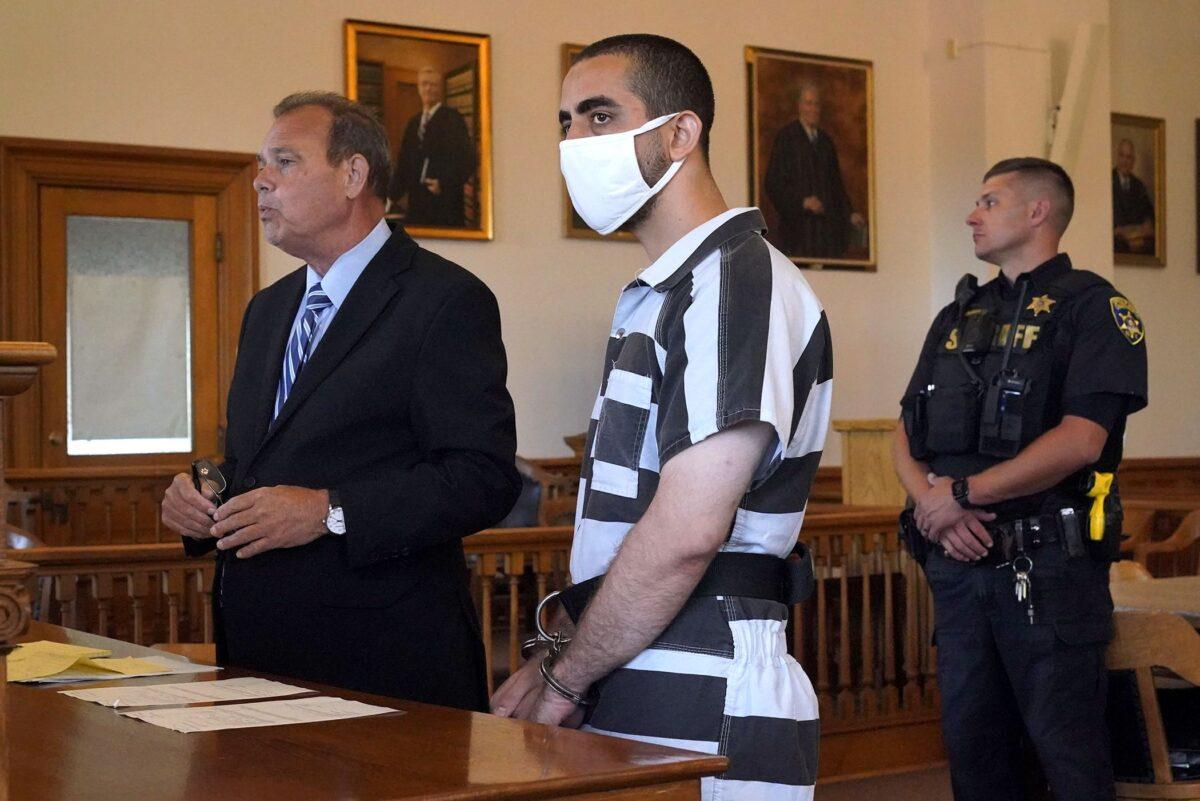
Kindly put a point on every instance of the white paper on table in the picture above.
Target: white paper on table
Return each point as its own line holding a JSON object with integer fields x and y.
{"x": 170, "y": 667}
{"x": 262, "y": 713}
{"x": 194, "y": 692}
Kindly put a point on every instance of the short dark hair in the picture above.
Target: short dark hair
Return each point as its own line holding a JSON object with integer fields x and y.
{"x": 355, "y": 129}
{"x": 666, "y": 76}
{"x": 1051, "y": 174}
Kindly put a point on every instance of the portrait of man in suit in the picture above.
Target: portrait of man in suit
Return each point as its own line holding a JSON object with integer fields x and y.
{"x": 804, "y": 183}
{"x": 435, "y": 160}
{"x": 369, "y": 431}
{"x": 1139, "y": 194}
{"x": 1133, "y": 210}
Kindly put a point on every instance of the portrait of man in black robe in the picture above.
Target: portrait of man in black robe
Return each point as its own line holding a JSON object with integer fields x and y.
{"x": 804, "y": 183}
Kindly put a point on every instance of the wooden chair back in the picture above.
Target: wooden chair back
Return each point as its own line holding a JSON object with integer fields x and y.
{"x": 1177, "y": 555}
{"x": 1126, "y": 570}
{"x": 1143, "y": 641}
{"x": 1138, "y": 526}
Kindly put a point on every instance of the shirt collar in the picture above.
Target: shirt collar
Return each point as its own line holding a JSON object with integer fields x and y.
{"x": 691, "y": 248}
{"x": 340, "y": 277}
{"x": 432, "y": 110}
{"x": 1042, "y": 275}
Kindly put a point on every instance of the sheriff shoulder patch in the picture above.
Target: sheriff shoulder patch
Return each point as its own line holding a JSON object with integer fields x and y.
{"x": 1127, "y": 320}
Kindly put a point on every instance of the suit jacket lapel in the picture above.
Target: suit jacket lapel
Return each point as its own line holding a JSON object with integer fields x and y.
{"x": 371, "y": 293}
{"x": 280, "y": 328}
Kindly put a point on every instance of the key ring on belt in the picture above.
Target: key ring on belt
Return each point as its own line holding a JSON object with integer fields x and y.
{"x": 556, "y": 641}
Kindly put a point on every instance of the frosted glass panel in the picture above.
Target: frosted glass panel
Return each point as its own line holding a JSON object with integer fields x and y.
{"x": 128, "y": 344}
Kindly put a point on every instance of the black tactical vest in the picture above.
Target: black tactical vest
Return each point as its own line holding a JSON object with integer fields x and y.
{"x": 1029, "y": 323}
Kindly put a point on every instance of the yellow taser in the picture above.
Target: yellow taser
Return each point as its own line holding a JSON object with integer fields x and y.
{"x": 1098, "y": 489}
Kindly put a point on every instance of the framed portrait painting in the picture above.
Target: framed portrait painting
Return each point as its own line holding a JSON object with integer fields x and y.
{"x": 573, "y": 225}
{"x": 812, "y": 156}
{"x": 431, "y": 89}
{"x": 1139, "y": 190}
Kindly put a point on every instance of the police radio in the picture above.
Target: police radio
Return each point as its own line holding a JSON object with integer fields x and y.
{"x": 1004, "y": 403}
{"x": 1000, "y": 418}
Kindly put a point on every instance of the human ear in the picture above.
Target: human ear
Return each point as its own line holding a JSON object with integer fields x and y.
{"x": 356, "y": 173}
{"x": 686, "y": 129}
{"x": 1039, "y": 211}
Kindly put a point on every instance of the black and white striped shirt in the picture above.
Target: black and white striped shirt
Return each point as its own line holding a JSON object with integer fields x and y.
{"x": 721, "y": 329}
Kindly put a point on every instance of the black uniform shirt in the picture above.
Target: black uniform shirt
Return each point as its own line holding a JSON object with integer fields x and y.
{"x": 1087, "y": 357}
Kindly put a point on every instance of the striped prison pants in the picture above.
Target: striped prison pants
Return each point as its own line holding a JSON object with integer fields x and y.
{"x": 719, "y": 680}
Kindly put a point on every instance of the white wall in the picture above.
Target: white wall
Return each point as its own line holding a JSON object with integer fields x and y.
{"x": 205, "y": 75}
{"x": 1155, "y": 64}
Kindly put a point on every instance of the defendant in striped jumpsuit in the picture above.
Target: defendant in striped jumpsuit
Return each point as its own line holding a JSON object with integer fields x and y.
{"x": 704, "y": 439}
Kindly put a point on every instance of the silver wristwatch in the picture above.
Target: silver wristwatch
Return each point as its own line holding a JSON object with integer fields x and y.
{"x": 335, "y": 521}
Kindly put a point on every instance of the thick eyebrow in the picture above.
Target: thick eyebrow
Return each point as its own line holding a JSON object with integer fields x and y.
{"x": 586, "y": 105}
{"x": 594, "y": 102}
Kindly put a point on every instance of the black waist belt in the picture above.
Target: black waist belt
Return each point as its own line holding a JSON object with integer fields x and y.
{"x": 1023, "y": 534}
{"x": 752, "y": 575}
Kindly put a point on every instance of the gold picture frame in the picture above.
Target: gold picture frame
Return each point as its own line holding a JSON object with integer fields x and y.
{"x": 440, "y": 129}
{"x": 813, "y": 172}
{"x": 1139, "y": 190}
{"x": 573, "y": 225}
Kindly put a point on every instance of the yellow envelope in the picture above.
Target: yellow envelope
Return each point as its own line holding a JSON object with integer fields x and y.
{"x": 37, "y": 660}
{"x": 127, "y": 665}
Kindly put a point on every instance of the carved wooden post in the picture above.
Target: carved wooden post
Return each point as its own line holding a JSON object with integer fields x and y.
{"x": 19, "y": 363}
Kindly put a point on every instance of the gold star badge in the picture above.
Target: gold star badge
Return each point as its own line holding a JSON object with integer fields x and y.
{"x": 1041, "y": 304}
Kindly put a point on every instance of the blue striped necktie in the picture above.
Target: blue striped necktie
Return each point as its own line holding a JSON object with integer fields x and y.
{"x": 297, "y": 347}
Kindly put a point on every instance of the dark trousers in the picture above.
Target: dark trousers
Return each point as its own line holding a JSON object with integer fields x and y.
{"x": 1003, "y": 679}
{"x": 425, "y": 647}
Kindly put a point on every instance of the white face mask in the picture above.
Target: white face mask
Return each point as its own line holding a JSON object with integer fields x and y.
{"x": 604, "y": 179}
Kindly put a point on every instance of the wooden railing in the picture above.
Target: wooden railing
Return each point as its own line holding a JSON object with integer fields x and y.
{"x": 139, "y": 593}
{"x": 863, "y": 637}
{"x": 91, "y": 506}
{"x": 87, "y": 506}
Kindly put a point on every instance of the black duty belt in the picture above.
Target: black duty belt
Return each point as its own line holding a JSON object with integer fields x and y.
{"x": 787, "y": 581}
{"x": 1023, "y": 535}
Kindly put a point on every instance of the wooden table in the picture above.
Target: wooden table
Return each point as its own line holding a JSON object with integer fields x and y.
{"x": 63, "y": 748}
{"x": 1180, "y": 595}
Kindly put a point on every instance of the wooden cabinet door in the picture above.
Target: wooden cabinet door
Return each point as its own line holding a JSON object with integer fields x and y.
{"x": 129, "y": 296}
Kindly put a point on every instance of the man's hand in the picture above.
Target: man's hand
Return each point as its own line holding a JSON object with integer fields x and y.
{"x": 186, "y": 511}
{"x": 525, "y": 695}
{"x": 959, "y": 531}
{"x": 271, "y": 517}
{"x": 434, "y": 185}
{"x": 813, "y": 203}
{"x": 518, "y": 695}
{"x": 554, "y": 710}
{"x": 857, "y": 220}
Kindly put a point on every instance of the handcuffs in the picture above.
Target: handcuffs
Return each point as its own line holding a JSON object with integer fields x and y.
{"x": 556, "y": 643}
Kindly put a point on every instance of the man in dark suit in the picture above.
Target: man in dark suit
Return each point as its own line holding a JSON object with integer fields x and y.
{"x": 1133, "y": 211}
{"x": 804, "y": 183}
{"x": 369, "y": 430}
{"x": 436, "y": 158}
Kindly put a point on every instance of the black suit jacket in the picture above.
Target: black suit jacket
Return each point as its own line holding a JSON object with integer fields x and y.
{"x": 450, "y": 153}
{"x": 402, "y": 410}
{"x": 798, "y": 168}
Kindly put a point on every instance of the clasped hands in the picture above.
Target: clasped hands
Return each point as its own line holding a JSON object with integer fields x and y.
{"x": 254, "y": 522}
{"x": 942, "y": 520}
